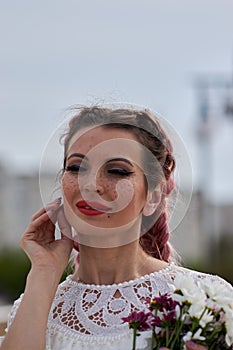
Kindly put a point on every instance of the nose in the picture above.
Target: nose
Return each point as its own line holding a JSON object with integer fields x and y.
{"x": 89, "y": 187}
{"x": 93, "y": 184}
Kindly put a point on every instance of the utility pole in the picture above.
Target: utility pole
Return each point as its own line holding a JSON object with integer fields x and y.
{"x": 215, "y": 102}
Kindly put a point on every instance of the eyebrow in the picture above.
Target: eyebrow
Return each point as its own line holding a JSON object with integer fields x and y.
{"x": 119, "y": 160}
{"x": 80, "y": 155}
{"x": 77, "y": 155}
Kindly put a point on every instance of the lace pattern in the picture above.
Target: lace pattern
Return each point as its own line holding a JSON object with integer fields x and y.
{"x": 87, "y": 315}
{"x": 98, "y": 310}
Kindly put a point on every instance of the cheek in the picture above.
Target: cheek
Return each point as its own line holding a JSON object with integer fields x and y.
{"x": 126, "y": 188}
{"x": 69, "y": 184}
{"x": 140, "y": 192}
{"x": 117, "y": 188}
{"x": 110, "y": 189}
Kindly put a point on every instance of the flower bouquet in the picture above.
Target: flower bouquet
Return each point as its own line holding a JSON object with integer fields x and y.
{"x": 201, "y": 312}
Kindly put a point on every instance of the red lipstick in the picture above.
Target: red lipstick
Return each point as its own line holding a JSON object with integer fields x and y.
{"x": 91, "y": 208}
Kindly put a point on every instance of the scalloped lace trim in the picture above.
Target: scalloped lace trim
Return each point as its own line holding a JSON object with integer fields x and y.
{"x": 168, "y": 268}
{"x": 91, "y": 314}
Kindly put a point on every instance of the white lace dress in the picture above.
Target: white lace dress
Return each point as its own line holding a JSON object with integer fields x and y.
{"x": 86, "y": 317}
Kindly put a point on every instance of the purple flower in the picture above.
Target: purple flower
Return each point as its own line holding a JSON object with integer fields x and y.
{"x": 156, "y": 321}
{"x": 163, "y": 302}
{"x": 172, "y": 322}
{"x": 139, "y": 320}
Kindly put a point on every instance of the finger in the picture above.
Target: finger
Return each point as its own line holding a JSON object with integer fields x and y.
{"x": 54, "y": 205}
{"x": 50, "y": 208}
{"x": 190, "y": 345}
{"x": 64, "y": 226}
{"x": 39, "y": 221}
{"x": 38, "y": 214}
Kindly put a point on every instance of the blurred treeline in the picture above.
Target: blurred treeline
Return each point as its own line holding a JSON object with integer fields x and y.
{"x": 219, "y": 260}
{"x": 14, "y": 267}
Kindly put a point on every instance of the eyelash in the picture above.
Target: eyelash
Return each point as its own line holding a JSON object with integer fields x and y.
{"x": 75, "y": 169}
{"x": 113, "y": 171}
{"x": 119, "y": 172}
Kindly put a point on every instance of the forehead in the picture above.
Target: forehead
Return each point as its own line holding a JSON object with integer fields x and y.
{"x": 110, "y": 139}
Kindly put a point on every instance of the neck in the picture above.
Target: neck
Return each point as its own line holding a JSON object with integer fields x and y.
{"x": 115, "y": 265}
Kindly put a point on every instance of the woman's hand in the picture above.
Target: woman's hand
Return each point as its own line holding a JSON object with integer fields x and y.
{"x": 190, "y": 345}
{"x": 49, "y": 258}
{"x": 38, "y": 241}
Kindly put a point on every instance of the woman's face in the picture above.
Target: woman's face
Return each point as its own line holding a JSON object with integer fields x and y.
{"x": 103, "y": 183}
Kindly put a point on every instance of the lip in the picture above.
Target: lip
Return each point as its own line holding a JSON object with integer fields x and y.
{"x": 89, "y": 208}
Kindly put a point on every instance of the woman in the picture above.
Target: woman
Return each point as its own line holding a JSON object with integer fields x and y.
{"x": 117, "y": 176}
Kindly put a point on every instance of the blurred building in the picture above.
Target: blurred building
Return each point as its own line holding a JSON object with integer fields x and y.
{"x": 19, "y": 197}
{"x": 202, "y": 228}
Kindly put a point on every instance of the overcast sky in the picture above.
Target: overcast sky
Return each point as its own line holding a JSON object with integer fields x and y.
{"x": 58, "y": 53}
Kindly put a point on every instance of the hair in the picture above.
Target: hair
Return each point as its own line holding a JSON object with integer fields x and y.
{"x": 149, "y": 132}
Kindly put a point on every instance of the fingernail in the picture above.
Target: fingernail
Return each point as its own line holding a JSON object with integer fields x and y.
{"x": 57, "y": 200}
{"x": 191, "y": 343}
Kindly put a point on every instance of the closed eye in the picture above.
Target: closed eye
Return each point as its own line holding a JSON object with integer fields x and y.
{"x": 75, "y": 168}
{"x": 120, "y": 172}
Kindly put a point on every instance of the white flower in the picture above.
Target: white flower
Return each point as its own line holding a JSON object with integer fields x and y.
{"x": 206, "y": 318}
{"x": 190, "y": 291}
{"x": 196, "y": 310}
{"x": 229, "y": 327}
{"x": 177, "y": 311}
{"x": 188, "y": 336}
{"x": 184, "y": 283}
{"x": 218, "y": 293}
{"x": 210, "y": 301}
{"x": 196, "y": 336}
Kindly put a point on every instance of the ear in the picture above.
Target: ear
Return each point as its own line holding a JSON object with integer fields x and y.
{"x": 152, "y": 202}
